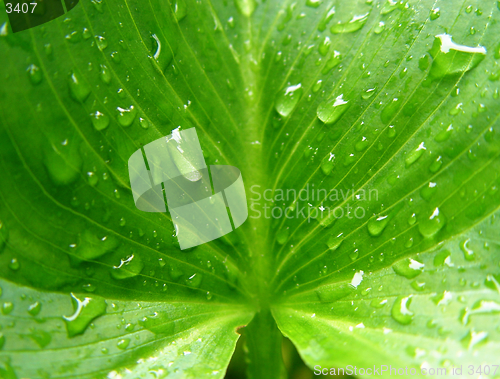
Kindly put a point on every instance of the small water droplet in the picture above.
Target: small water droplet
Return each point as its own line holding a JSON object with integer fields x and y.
{"x": 129, "y": 267}
{"x": 123, "y": 343}
{"x": 34, "y": 74}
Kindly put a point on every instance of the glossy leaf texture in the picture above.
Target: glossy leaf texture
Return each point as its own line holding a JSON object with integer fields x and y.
{"x": 384, "y": 111}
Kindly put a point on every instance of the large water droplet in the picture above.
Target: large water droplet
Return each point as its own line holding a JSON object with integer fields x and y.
{"x": 129, "y": 267}
{"x": 85, "y": 311}
{"x": 450, "y": 58}
{"x": 126, "y": 116}
{"x": 63, "y": 162}
{"x": 469, "y": 254}
{"x": 356, "y": 23}
{"x": 414, "y": 155}
{"x": 287, "y": 99}
{"x": 409, "y": 268}
{"x": 400, "y": 310}
{"x": 99, "y": 120}
{"x": 90, "y": 246}
{"x": 332, "y": 110}
{"x": 79, "y": 89}
{"x": 430, "y": 226}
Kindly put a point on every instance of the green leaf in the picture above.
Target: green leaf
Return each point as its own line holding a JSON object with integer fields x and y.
{"x": 365, "y": 133}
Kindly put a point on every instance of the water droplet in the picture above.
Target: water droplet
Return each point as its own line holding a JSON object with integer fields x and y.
{"x": 245, "y": 7}
{"x": 126, "y": 116}
{"x": 368, "y": 93}
{"x": 356, "y": 23}
{"x": 326, "y": 18}
{"x": 379, "y": 28}
{"x": 313, "y": 3}
{"x": 317, "y": 85}
{"x": 194, "y": 281}
{"x": 282, "y": 236}
{"x": 361, "y": 145}
{"x": 430, "y": 226}
{"x": 332, "y": 110}
{"x": 98, "y": 5}
{"x": 334, "y": 242}
{"x": 324, "y": 46}
{"x": 408, "y": 268}
{"x": 7, "y": 307}
{"x": 78, "y": 87}
{"x": 123, "y": 343}
{"x": 473, "y": 339}
{"x": 469, "y": 254}
{"x": 144, "y": 123}
{"x": 85, "y": 311}
{"x": 436, "y": 165}
{"x": 378, "y": 303}
{"x": 328, "y": 163}
{"x": 376, "y": 225}
{"x": 35, "y": 308}
{"x": 129, "y": 267}
{"x": 450, "y": 58}
{"x": 414, "y": 155}
{"x": 287, "y": 99}
{"x": 63, "y": 162}
{"x": 400, "y": 311}
{"x": 101, "y": 42}
{"x": 435, "y": 13}
{"x": 90, "y": 247}
{"x": 481, "y": 307}
{"x": 390, "y": 110}
{"x": 332, "y": 62}
{"x": 99, "y": 120}
{"x": 105, "y": 74}
{"x": 428, "y": 191}
{"x": 34, "y": 74}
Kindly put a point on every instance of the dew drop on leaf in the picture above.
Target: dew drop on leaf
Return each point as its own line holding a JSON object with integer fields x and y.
{"x": 450, "y": 58}
{"x": 430, "y": 226}
{"x": 400, "y": 311}
{"x": 99, "y": 120}
{"x": 245, "y": 7}
{"x": 415, "y": 155}
{"x": 355, "y": 24}
{"x": 287, "y": 99}
{"x": 332, "y": 110}
{"x": 126, "y": 116}
{"x": 123, "y": 343}
{"x": 409, "y": 268}
{"x": 469, "y": 254}
{"x": 129, "y": 267}
{"x": 79, "y": 89}
{"x": 86, "y": 309}
{"x": 34, "y": 74}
